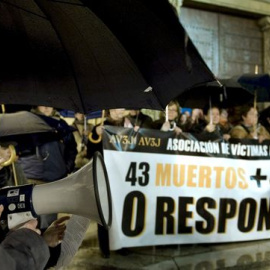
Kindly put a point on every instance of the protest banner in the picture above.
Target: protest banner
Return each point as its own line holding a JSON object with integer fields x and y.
{"x": 169, "y": 189}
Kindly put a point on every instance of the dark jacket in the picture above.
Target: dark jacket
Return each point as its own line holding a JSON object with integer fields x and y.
{"x": 52, "y": 160}
{"x": 141, "y": 120}
{"x": 23, "y": 249}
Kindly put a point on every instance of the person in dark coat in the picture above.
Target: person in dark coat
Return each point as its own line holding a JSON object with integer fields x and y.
{"x": 172, "y": 123}
{"x": 139, "y": 119}
{"x": 83, "y": 128}
{"x": 114, "y": 117}
{"x": 24, "y": 248}
{"x": 52, "y": 160}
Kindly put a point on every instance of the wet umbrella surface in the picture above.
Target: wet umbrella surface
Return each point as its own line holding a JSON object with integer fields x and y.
{"x": 66, "y": 55}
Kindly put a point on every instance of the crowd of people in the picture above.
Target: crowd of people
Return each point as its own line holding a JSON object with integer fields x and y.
{"x": 77, "y": 142}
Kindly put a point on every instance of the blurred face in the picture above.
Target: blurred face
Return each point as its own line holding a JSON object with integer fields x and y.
{"x": 4, "y": 154}
{"x": 46, "y": 110}
{"x": 134, "y": 112}
{"x": 213, "y": 115}
{"x": 251, "y": 118}
{"x": 223, "y": 116}
{"x": 197, "y": 113}
{"x": 79, "y": 116}
{"x": 117, "y": 114}
{"x": 172, "y": 112}
{"x": 183, "y": 118}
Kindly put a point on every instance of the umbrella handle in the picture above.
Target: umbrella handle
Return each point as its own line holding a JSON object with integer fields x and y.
{"x": 12, "y": 156}
{"x": 90, "y": 137}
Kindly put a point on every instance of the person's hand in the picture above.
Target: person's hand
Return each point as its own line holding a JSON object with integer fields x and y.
{"x": 177, "y": 130}
{"x": 99, "y": 130}
{"x": 261, "y": 138}
{"x": 31, "y": 225}
{"x": 226, "y": 137}
{"x": 166, "y": 126}
{"x": 127, "y": 123}
{"x": 210, "y": 127}
{"x": 136, "y": 128}
{"x": 55, "y": 232}
{"x": 5, "y": 155}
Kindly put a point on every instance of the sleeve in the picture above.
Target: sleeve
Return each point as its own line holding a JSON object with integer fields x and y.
{"x": 70, "y": 152}
{"x": 23, "y": 249}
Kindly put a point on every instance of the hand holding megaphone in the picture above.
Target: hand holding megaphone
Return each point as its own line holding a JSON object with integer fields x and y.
{"x": 84, "y": 193}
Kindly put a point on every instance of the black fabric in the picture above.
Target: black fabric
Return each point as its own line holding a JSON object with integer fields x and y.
{"x": 157, "y": 42}
{"x": 51, "y": 55}
{"x": 23, "y": 249}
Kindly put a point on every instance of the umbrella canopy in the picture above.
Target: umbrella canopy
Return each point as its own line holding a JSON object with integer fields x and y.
{"x": 60, "y": 54}
{"x": 258, "y": 84}
{"x": 155, "y": 39}
{"x": 22, "y": 123}
{"x": 227, "y": 93}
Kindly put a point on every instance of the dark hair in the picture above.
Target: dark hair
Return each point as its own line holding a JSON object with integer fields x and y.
{"x": 207, "y": 108}
{"x": 246, "y": 108}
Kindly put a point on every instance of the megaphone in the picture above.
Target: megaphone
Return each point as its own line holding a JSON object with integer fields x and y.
{"x": 84, "y": 193}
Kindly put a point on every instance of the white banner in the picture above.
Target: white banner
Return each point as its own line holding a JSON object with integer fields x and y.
{"x": 172, "y": 198}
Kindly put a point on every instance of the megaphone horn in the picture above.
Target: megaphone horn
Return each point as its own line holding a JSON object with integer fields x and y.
{"x": 85, "y": 193}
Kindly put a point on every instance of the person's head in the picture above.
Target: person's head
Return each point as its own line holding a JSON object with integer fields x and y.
{"x": 249, "y": 115}
{"x": 183, "y": 118}
{"x": 134, "y": 112}
{"x": 48, "y": 111}
{"x": 117, "y": 114}
{"x": 79, "y": 116}
{"x": 197, "y": 114}
{"x": 173, "y": 110}
{"x": 223, "y": 116}
{"x": 213, "y": 115}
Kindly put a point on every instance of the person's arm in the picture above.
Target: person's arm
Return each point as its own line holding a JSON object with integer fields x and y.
{"x": 24, "y": 248}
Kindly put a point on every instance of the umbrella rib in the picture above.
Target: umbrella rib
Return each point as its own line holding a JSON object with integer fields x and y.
{"x": 23, "y": 9}
{"x": 65, "y": 51}
{"x": 68, "y": 3}
{"x": 33, "y": 13}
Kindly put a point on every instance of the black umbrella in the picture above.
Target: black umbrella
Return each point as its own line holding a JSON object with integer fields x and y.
{"x": 225, "y": 93}
{"x": 258, "y": 84}
{"x": 155, "y": 39}
{"x": 29, "y": 130}
{"x": 59, "y": 54}
{"x": 23, "y": 122}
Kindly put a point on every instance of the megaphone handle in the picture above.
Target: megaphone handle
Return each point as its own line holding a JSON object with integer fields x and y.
{"x": 18, "y": 206}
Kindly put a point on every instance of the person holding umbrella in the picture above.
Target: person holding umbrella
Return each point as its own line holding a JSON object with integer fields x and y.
{"x": 139, "y": 119}
{"x": 170, "y": 121}
{"x": 81, "y": 137}
{"x": 11, "y": 173}
{"x": 249, "y": 128}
